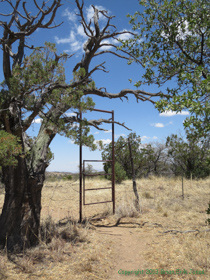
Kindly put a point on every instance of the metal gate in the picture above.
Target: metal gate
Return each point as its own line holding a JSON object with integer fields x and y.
{"x": 83, "y": 174}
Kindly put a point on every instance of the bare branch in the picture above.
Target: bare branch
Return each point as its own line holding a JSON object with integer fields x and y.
{"x": 40, "y": 9}
{"x": 26, "y": 12}
{"x": 32, "y": 47}
{"x": 51, "y": 27}
{"x": 15, "y": 11}
{"x": 13, "y": 17}
{"x": 94, "y": 123}
{"x": 98, "y": 122}
{"x": 114, "y": 53}
{"x": 83, "y": 21}
{"x": 139, "y": 94}
{"x": 6, "y": 15}
{"x": 98, "y": 67}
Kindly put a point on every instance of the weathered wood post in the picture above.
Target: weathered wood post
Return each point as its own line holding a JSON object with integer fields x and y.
{"x": 137, "y": 204}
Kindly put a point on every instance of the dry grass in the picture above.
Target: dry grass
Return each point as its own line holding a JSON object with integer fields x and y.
{"x": 71, "y": 251}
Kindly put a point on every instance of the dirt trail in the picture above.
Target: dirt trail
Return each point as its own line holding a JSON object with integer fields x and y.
{"x": 127, "y": 244}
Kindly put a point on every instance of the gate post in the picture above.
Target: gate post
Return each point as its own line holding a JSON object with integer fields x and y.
{"x": 80, "y": 166}
{"x": 113, "y": 164}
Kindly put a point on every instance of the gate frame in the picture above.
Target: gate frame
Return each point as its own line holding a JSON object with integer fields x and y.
{"x": 82, "y": 168}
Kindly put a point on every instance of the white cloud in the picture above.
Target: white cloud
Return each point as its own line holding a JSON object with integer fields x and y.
{"x": 37, "y": 120}
{"x": 111, "y": 41}
{"x": 80, "y": 31}
{"x": 143, "y": 138}
{"x": 96, "y": 132}
{"x": 124, "y": 36}
{"x": 171, "y": 113}
{"x": 157, "y": 124}
{"x": 76, "y": 46}
{"x": 75, "y": 43}
{"x": 108, "y": 131}
{"x": 70, "y": 114}
{"x": 154, "y": 137}
{"x": 104, "y": 141}
{"x": 71, "y": 15}
{"x": 118, "y": 135}
{"x": 66, "y": 40}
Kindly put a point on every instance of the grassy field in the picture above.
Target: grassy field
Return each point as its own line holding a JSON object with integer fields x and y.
{"x": 68, "y": 250}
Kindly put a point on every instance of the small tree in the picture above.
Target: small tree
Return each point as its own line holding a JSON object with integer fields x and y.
{"x": 122, "y": 154}
{"x": 89, "y": 169}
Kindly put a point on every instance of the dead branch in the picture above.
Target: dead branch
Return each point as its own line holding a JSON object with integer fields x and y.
{"x": 96, "y": 123}
{"x": 139, "y": 94}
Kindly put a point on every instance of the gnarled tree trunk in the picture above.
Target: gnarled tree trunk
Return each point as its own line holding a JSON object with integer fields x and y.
{"x": 20, "y": 218}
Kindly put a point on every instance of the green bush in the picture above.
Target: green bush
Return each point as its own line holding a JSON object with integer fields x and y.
{"x": 120, "y": 174}
{"x": 67, "y": 177}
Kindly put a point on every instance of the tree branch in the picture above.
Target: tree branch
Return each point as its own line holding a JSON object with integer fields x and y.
{"x": 98, "y": 122}
{"x": 139, "y": 94}
{"x": 184, "y": 231}
{"x": 94, "y": 123}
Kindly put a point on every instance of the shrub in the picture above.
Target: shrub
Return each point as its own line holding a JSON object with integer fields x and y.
{"x": 67, "y": 177}
{"x": 120, "y": 174}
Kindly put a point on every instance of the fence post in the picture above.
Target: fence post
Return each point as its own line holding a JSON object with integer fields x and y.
{"x": 113, "y": 165}
{"x": 80, "y": 167}
{"x": 182, "y": 186}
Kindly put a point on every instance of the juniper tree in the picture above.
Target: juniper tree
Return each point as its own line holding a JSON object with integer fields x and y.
{"x": 35, "y": 85}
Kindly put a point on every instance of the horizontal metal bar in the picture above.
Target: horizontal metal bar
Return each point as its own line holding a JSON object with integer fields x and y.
{"x": 95, "y": 160}
{"x": 103, "y": 111}
{"x": 98, "y": 189}
{"x": 98, "y": 174}
{"x": 98, "y": 202}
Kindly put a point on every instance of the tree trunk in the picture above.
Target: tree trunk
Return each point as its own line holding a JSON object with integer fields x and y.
{"x": 20, "y": 217}
{"x": 137, "y": 204}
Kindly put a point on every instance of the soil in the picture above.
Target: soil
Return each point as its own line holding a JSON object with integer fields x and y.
{"x": 127, "y": 250}
{"x": 128, "y": 241}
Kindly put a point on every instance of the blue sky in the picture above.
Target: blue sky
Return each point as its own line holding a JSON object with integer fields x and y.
{"x": 141, "y": 117}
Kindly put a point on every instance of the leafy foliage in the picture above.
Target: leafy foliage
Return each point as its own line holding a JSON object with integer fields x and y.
{"x": 9, "y": 149}
{"x": 172, "y": 43}
{"x": 190, "y": 156}
{"x": 177, "y": 156}
{"x": 120, "y": 174}
{"x": 122, "y": 155}
{"x": 147, "y": 158}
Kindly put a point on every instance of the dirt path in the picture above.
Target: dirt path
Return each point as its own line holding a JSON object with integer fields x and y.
{"x": 127, "y": 244}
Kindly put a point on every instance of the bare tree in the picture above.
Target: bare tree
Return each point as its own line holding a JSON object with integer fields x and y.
{"x": 35, "y": 86}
